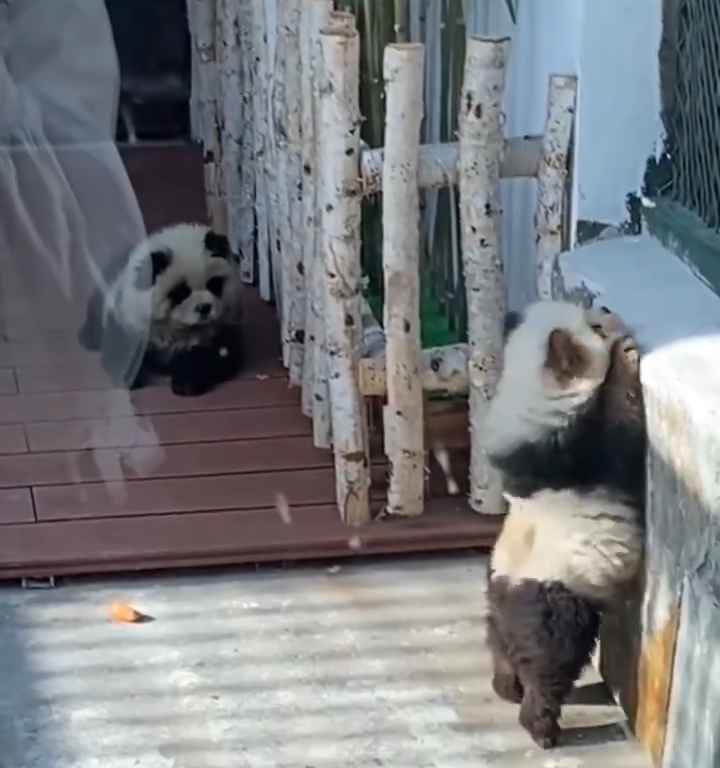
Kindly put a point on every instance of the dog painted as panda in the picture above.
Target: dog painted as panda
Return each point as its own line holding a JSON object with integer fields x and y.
{"x": 172, "y": 308}
{"x": 567, "y": 431}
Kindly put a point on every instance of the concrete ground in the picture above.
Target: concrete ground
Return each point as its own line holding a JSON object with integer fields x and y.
{"x": 376, "y": 663}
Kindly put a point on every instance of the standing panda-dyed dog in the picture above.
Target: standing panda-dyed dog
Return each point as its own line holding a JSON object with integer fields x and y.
{"x": 172, "y": 308}
{"x": 567, "y": 431}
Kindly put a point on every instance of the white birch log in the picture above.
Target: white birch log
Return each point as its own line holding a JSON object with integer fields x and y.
{"x": 315, "y": 16}
{"x": 235, "y": 90}
{"x": 294, "y": 275}
{"x": 403, "y": 414}
{"x": 279, "y": 191}
{"x": 204, "y": 19}
{"x": 308, "y": 161}
{"x": 261, "y": 154}
{"x": 322, "y": 406}
{"x": 439, "y": 164}
{"x": 340, "y": 205}
{"x": 272, "y": 11}
{"x": 562, "y": 95}
{"x": 442, "y": 370}
{"x": 245, "y": 211}
{"x": 481, "y": 148}
{"x": 196, "y": 96}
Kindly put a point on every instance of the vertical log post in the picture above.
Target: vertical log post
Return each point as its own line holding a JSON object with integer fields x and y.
{"x": 322, "y": 413}
{"x": 261, "y": 153}
{"x": 403, "y": 414}
{"x": 203, "y": 16}
{"x": 196, "y": 95}
{"x": 279, "y": 188}
{"x": 247, "y": 171}
{"x": 340, "y": 203}
{"x": 294, "y": 271}
{"x": 315, "y": 15}
{"x": 481, "y": 151}
{"x": 235, "y": 90}
{"x": 552, "y": 172}
{"x": 276, "y": 183}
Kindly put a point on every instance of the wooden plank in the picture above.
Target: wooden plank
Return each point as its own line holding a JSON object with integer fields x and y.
{"x": 166, "y": 429}
{"x": 16, "y": 506}
{"x": 8, "y": 382}
{"x": 41, "y": 349}
{"x": 187, "y": 494}
{"x": 61, "y": 351}
{"x": 118, "y": 402}
{"x": 189, "y": 460}
{"x": 36, "y": 379}
{"x": 60, "y": 377}
{"x": 12, "y": 440}
{"x": 193, "y": 494}
{"x": 87, "y": 546}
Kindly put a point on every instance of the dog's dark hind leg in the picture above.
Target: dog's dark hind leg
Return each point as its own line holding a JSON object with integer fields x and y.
{"x": 505, "y": 681}
{"x": 550, "y": 633}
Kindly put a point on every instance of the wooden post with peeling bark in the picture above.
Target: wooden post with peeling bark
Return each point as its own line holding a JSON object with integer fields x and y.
{"x": 315, "y": 16}
{"x": 481, "y": 151}
{"x": 294, "y": 274}
{"x": 245, "y": 206}
{"x": 552, "y": 173}
{"x": 278, "y": 190}
{"x": 204, "y": 19}
{"x": 261, "y": 147}
{"x": 340, "y": 205}
{"x": 322, "y": 407}
{"x": 403, "y": 414}
{"x": 196, "y": 95}
{"x": 287, "y": 108}
{"x": 235, "y": 94}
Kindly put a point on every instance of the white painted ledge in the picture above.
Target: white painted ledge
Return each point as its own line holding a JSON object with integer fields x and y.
{"x": 676, "y": 319}
{"x": 650, "y": 286}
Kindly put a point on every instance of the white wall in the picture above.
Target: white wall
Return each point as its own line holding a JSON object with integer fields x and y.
{"x": 612, "y": 46}
{"x": 620, "y": 125}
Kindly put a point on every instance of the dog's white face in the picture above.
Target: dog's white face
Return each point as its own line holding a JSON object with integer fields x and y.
{"x": 191, "y": 275}
{"x": 555, "y": 360}
{"x": 192, "y": 289}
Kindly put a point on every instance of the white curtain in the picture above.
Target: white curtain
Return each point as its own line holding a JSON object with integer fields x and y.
{"x": 67, "y": 209}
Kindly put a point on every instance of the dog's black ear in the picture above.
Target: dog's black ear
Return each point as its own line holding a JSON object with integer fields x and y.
{"x": 218, "y": 245}
{"x": 148, "y": 271}
{"x": 160, "y": 262}
{"x": 512, "y": 320}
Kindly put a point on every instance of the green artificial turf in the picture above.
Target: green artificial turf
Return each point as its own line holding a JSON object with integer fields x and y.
{"x": 435, "y": 330}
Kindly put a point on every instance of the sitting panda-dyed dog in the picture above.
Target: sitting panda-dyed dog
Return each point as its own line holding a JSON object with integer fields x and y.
{"x": 171, "y": 308}
{"x": 566, "y": 429}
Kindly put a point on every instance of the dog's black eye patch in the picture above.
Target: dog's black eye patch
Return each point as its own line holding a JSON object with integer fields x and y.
{"x": 215, "y": 286}
{"x": 512, "y": 321}
{"x": 218, "y": 245}
{"x": 179, "y": 293}
{"x": 160, "y": 262}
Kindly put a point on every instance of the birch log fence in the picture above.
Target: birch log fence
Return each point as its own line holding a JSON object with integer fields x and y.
{"x": 275, "y": 103}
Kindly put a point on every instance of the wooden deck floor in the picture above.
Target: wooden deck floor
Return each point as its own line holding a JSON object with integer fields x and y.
{"x": 95, "y": 479}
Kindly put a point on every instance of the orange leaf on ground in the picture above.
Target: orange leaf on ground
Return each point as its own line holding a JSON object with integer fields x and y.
{"x": 125, "y": 613}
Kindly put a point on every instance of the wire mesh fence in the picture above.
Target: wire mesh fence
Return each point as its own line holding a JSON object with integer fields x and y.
{"x": 690, "y": 69}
